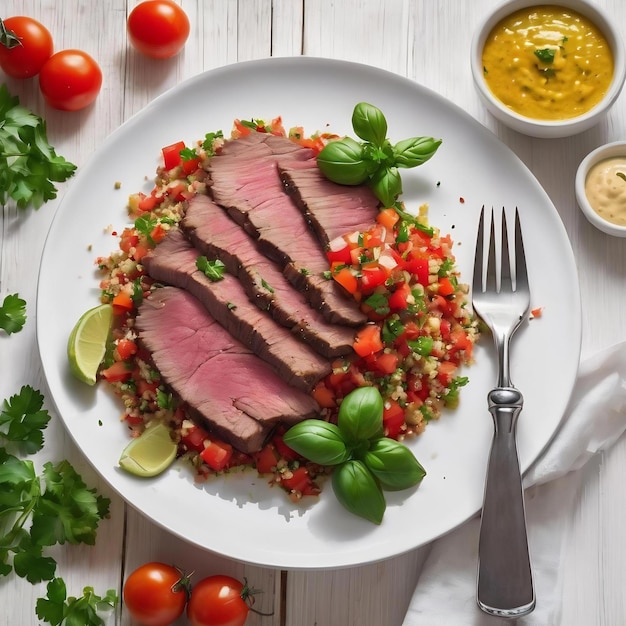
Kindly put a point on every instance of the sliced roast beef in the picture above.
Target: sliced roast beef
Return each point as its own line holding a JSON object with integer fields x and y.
{"x": 232, "y": 390}
{"x": 332, "y": 210}
{"x": 251, "y": 191}
{"x": 215, "y": 235}
{"x": 173, "y": 262}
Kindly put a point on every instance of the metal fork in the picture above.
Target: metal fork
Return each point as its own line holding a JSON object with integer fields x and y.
{"x": 501, "y": 297}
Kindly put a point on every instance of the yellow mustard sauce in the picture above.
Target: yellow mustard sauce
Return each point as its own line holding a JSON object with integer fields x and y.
{"x": 605, "y": 188}
{"x": 548, "y": 63}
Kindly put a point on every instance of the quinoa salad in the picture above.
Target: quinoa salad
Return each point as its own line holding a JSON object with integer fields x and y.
{"x": 418, "y": 336}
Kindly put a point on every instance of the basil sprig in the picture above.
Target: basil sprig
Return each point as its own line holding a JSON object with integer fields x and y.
{"x": 365, "y": 461}
{"x": 374, "y": 160}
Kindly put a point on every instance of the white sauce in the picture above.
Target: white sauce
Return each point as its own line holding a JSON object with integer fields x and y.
{"x": 605, "y": 188}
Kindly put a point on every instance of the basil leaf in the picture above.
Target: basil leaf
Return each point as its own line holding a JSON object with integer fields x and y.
{"x": 393, "y": 464}
{"x": 360, "y": 415}
{"x": 343, "y": 162}
{"x": 369, "y": 123}
{"x": 357, "y": 490}
{"x": 317, "y": 441}
{"x": 387, "y": 185}
{"x": 415, "y": 151}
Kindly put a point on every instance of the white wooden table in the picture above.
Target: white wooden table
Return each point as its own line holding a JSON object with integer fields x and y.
{"x": 426, "y": 40}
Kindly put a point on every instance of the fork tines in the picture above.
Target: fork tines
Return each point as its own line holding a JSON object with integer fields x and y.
{"x": 512, "y": 270}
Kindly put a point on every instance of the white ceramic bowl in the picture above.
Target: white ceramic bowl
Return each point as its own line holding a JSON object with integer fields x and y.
{"x": 548, "y": 128}
{"x": 615, "y": 149}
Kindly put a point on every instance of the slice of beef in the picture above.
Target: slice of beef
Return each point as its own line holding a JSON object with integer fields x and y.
{"x": 173, "y": 262}
{"x": 251, "y": 191}
{"x": 332, "y": 210}
{"x": 214, "y": 234}
{"x": 236, "y": 394}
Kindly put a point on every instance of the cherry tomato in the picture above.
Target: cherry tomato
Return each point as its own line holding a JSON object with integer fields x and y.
{"x": 155, "y": 594}
{"x": 26, "y": 58}
{"x": 70, "y": 80}
{"x": 219, "y": 601}
{"x": 158, "y": 28}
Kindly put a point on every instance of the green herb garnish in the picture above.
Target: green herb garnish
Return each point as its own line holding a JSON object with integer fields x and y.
{"x": 88, "y": 610}
{"x": 374, "y": 160}
{"x": 365, "y": 462}
{"x": 28, "y": 163}
{"x": 546, "y": 55}
{"x": 213, "y": 270}
{"x": 12, "y": 314}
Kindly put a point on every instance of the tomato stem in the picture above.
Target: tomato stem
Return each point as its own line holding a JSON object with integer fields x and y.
{"x": 247, "y": 595}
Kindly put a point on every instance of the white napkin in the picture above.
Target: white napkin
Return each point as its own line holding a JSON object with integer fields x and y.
{"x": 595, "y": 419}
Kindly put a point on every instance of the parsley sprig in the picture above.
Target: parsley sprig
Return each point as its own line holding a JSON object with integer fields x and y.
{"x": 29, "y": 166}
{"x": 56, "y": 608}
{"x": 12, "y": 313}
{"x": 39, "y": 511}
{"x": 22, "y": 420}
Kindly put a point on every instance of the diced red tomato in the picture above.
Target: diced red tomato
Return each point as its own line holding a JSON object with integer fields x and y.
{"x": 217, "y": 454}
{"x": 446, "y": 288}
{"x": 373, "y": 276}
{"x": 346, "y": 279}
{"x": 128, "y": 239}
{"x": 324, "y": 396}
{"x": 387, "y": 363}
{"x": 140, "y": 251}
{"x": 283, "y": 449}
{"x": 144, "y": 386}
{"x": 418, "y": 266}
{"x": 339, "y": 256}
{"x": 460, "y": 341}
{"x": 122, "y": 303}
{"x": 158, "y": 233}
{"x": 399, "y": 299}
{"x": 125, "y": 348}
{"x": 266, "y": 459}
{"x": 171, "y": 154}
{"x": 368, "y": 340}
{"x": 117, "y": 372}
{"x": 241, "y": 130}
{"x": 299, "y": 480}
{"x": 177, "y": 191}
{"x": 191, "y": 165}
{"x": 194, "y": 438}
{"x": 277, "y": 126}
{"x": 388, "y": 218}
{"x": 148, "y": 203}
{"x": 393, "y": 419}
{"x": 445, "y": 372}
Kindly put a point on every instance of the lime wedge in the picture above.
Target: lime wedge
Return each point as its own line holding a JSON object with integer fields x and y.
{"x": 87, "y": 343}
{"x": 151, "y": 453}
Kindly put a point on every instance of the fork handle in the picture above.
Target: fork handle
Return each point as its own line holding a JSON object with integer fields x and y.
{"x": 505, "y": 584}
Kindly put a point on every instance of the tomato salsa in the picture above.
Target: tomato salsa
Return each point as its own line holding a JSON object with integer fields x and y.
{"x": 401, "y": 271}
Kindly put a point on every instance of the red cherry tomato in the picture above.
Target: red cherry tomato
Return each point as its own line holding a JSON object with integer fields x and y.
{"x": 26, "y": 58}
{"x": 219, "y": 601}
{"x": 155, "y": 594}
{"x": 70, "y": 80}
{"x": 158, "y": 28}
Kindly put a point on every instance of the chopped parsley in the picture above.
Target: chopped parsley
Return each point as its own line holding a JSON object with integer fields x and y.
{"x": 266, "y": 286}
{"x": 546, "y": 55}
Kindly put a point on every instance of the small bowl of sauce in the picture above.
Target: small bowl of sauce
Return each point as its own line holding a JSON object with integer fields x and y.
{"x": 548, "y": 70}
{"x": 601, "y": 188}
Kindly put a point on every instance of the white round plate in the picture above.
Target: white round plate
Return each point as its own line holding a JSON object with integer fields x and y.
{"x": 239, "y": 516}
